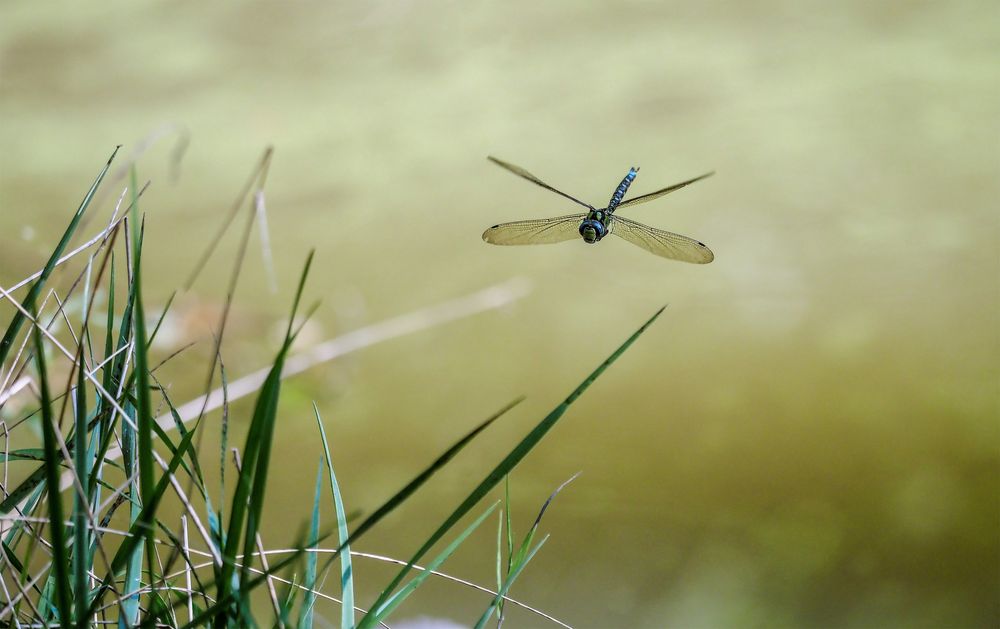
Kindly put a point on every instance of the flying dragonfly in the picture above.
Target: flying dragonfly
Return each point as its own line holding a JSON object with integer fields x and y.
{"x": 596, "y": 223}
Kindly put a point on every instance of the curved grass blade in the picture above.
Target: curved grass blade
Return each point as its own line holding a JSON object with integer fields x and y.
{"x": 346, "y": 569}
{"x": 506, "y": 465}
{"x": 538, "y": 519}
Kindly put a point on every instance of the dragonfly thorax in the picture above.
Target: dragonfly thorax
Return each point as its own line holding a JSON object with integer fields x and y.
{"x": 592, "y": 230}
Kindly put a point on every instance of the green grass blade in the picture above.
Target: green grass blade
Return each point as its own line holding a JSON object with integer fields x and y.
{"x": 30, "y": 503}
{"x": 81, "y": 543}
{"x": 217, "y": 609}
{"x": 144, "y": 406}
{"x": 24, "y": 454}
{"x": 36, "y": 288}
{"x": 500, "y": 545}
{"x": 509, "y": 462}
{"x": 309, "y": 582}
{"x": 510, "y": 517}
{"x": 248, "y": 499}
{"x": 346, "y": 569}
{"x": 129, "y": 615}
{"x": 510, "y": 538}
{"x": 53, "y": 455}
{"x": 16, "y": 495}
{"x": 162, "y": 317}
{"x": 25, "y": 487}
{"x": 145, "y": 520}
{"x": 515, "y": 572}
{"x": 396, "y": 599}
{"x": 526, "y": 543}
{"x": 223, "y": 440}
{"x": 244, "y": 514}
{"x": 403, "y": 494}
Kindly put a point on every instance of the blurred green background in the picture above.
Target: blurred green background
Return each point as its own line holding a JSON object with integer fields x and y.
{"x": 808, "y": 437}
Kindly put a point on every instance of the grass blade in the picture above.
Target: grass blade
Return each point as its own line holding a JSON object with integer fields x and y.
{"x": 223, "y": 602}
{"x": 249, "y": 496}
{"x": 507, "y": 464}
{"x": 81, "y": 543}
{"x": 144, "y": 407}
{"x": 403, "y": 494}
{"x": 516, "y": 572}
{"x": 346, "y": 570}
{"x": 309, "y": 582}
{"x": 526, "y": 543}
{"x": 145, "y": 520}
{"x": 396, "y": 599}
{"x": 60, "y": 563}
{"x": 29, "y": 301}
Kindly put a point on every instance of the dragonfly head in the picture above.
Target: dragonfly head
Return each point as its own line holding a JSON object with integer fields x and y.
{"x": 592, "y": 230}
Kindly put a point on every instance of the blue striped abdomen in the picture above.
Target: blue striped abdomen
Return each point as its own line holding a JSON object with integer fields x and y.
{"x": 622, "y": 189}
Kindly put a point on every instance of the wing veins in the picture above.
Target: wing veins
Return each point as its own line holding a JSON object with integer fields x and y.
{"x": 660, "y": 242}
{"x": 535, "y": 231}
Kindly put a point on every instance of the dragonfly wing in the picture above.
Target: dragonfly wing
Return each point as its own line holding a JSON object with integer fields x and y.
{"x": 520, "y": 172}
{"x": 535, "y": 232}
{"x": 662, "y": 243}
{"x": 660, "y": 193}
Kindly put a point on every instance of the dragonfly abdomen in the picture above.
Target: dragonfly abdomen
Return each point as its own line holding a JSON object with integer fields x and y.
{"x": 619, "y": 194}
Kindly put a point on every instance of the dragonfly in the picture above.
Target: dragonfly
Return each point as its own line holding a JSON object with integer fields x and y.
{"x": 596, "y": 223}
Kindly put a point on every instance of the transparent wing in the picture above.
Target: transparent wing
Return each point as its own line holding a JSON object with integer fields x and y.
{"x": 662, "y": 243}
{"x": 660, "y": 193}
{"x": 520, "y": 172}
{"x": 537, "y": 232}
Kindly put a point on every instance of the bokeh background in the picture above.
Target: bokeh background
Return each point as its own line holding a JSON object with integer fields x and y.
{"x": 808, "y": 436}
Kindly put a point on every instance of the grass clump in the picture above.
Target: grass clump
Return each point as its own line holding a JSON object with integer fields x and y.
{"x": 99, "y": 457}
